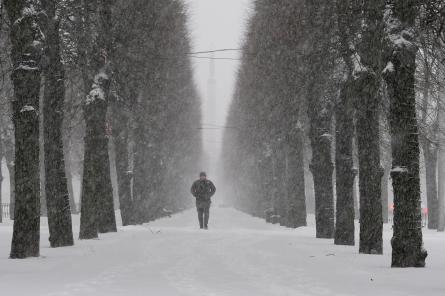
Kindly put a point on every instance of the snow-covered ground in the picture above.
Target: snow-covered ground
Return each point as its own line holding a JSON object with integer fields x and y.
{"x": 239, "y": 255}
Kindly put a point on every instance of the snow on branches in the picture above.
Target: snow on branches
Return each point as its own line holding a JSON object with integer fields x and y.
{"x": 97, "y": 92}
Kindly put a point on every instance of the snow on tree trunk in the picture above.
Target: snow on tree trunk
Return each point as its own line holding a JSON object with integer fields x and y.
{"x": 57, "y": 198}
{"x": 97, "y": 209}
{"x": 27, "y": 40}
{"x": 399, "y": 73}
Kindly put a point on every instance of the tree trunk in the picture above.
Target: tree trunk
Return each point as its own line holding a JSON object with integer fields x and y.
{"x": 430, "y": 156}
{"x": 367, "y": 85}
{"x": 43, "y": 206}
{"x": 97, "y": 209}
{"x": 295, "y": 181}
{"x": 139, "y": 182}
{"x": 10, "y": 165}
{"x": 101, "y": 85}
{"x": 441, "y": 172}
{"x": 428, "y": 138}
{"x": 69, "y": 175}
{"x": 371, "y": 220}
{"x": 344, "y": 129}
{"x": 321, "y": 166}
{"x": 281, "y": 194}
{"x": 56, "y": 187}
{"x": 441, "y": 176}
{"x": 322, "y": 171}
{"x": 124, "y": 175}
{"x": 385, "y": 193}
{"x": 1, "y": 181}
{"x": 152, "y": 200}
{"x": 345, "y": 175}
{"x": 356, "y": 199}
{"x": 407, "y": 245}
{"x": 319, "y": 109}
{"x": 27, "y": 50}
{"x": 355, "y": 193}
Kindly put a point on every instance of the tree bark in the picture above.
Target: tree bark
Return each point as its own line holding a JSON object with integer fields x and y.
{"x": 1, "y": 181}
{"x": 441, "y": 172}
{"x": 27, "y": 50}
{"x": 441, "y": 176}
{"x": 69, "y": 175}
{"x": 407, "y": 244}
{"x": 124, "y": 174}
{"x": 140, "y": 172}
{"x": 345, "y": 175}
{"x": 43, "y": 206}
{"x": 367, "y": 70}
{"x": 344, "y": 119}
{"x": 428, "y": 137}
{"x": 321, "y": 166}
{"x": 280, "y": 190}
{"x": 371, "y": 220}
{"x": 56, "y": 187}
{"x": 296, "y": 216}
{"x": 8, "y": 153}
{"x": 319, "y": 109}
{"x": 430, "y": 156}
{"x": 385, "y": 193}
{"x": 10, "y": 165}
{"x": 355, "y": 193}
{"x": 97, "y": 209}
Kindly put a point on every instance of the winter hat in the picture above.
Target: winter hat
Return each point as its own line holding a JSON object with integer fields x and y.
{"x": 202, "y": 174}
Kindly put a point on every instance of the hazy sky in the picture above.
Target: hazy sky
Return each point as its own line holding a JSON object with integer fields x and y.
{"x": 216, "y": 24}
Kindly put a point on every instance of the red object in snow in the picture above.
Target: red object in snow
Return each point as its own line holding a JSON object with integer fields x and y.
{"x": 425, "y": 211}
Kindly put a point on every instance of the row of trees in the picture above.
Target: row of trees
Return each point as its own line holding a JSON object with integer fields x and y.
{"x": 101, "y": 70}
{"x": 342, "y": 74}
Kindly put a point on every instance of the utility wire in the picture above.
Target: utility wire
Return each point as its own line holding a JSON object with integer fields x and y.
{"x": 216, "y": 50}
{"x": 213, "y": 58}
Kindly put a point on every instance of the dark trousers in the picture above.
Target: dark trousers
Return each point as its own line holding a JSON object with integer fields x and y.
{"x": 203, "y": 216}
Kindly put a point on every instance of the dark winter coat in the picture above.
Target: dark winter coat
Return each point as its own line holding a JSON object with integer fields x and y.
{"x": 203, "y": 190}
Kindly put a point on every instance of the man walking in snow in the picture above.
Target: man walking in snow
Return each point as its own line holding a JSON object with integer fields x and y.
{"x": 203, "y": 189}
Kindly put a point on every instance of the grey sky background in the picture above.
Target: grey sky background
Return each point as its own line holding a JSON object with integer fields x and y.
{"x": 216, "y": 24}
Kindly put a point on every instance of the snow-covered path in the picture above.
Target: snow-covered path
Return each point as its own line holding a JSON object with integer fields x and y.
{"x": 240, "y": 255}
